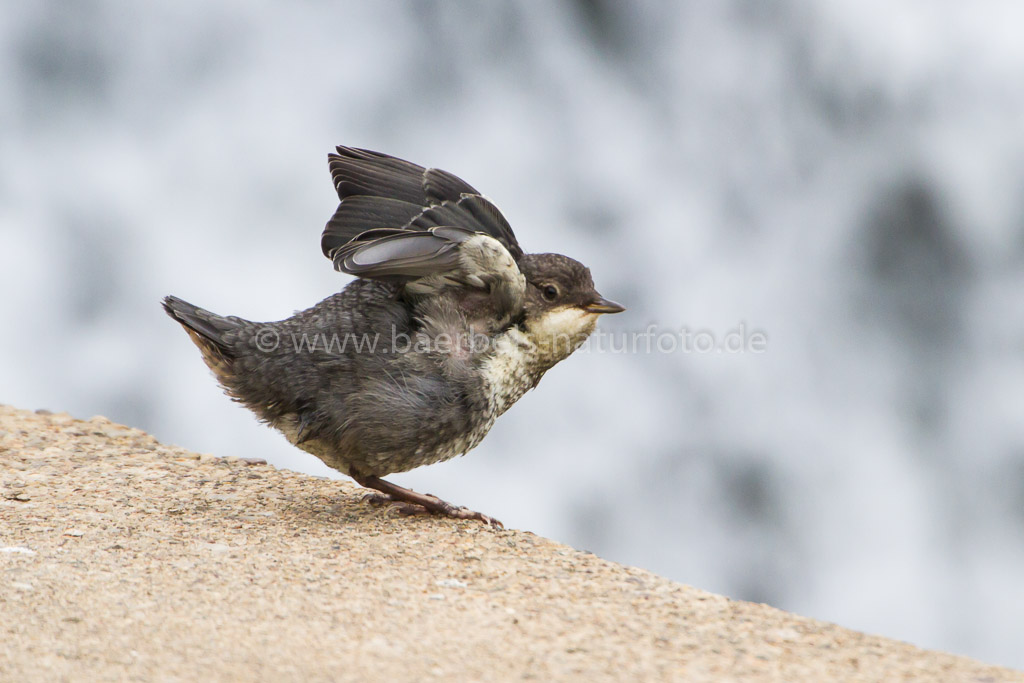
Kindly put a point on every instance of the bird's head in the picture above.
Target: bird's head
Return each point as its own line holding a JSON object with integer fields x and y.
{"x": 562, "y": 306}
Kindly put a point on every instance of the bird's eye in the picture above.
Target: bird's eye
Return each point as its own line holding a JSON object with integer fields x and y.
{"x": 549, "y": 292}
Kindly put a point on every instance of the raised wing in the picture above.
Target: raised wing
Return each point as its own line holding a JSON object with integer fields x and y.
{"x": 381, "y": 191}
{"x": 424, "y": 228}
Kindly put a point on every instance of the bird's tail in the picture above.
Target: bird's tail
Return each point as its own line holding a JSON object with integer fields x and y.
{"x": 215, "y": 335}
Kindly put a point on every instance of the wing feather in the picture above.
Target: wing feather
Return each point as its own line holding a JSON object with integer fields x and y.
{"x": 403, "y": 254}
{"x": 359, "y": 213}
{"x": 427, "y": 229}
{"x": 381, "y": 191}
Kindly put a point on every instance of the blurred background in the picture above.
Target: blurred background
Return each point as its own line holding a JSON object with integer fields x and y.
{"x": 846, "y": 177}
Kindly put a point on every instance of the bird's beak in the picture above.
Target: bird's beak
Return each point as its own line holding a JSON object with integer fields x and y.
{"x": 602, "y": 305}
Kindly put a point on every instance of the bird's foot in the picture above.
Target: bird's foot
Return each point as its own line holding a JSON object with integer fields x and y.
{"x": 408, "y": 502}
{"x": 441, "y": 507}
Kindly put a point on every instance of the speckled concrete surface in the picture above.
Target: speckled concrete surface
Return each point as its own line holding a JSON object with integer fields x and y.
{"x": 122, "y": 558}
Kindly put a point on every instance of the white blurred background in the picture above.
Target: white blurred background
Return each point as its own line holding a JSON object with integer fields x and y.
{"x": 845, "y": 176}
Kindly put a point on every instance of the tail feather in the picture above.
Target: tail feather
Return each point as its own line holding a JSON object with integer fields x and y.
{"x": 211, "y": 327}
{"x": 231, "y": 350}
{"x": 215, "y": 335}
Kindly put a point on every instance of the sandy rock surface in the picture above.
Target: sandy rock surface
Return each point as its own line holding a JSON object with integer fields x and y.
{"x": 123, "y": 558}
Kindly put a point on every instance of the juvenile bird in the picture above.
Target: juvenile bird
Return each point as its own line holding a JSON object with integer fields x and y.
{"x": 447, "y": 325}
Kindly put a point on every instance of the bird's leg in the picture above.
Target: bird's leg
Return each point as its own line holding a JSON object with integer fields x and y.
{"x": 412, "y": 503}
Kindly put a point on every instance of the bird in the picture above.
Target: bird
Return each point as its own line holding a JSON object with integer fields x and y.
{"x": 447, "y": 324}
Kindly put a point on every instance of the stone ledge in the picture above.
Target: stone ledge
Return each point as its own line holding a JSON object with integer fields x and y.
{"x": 125, "y": 558}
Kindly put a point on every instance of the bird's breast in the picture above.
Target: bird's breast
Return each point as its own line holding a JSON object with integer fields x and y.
{"x": 511, "y": 369}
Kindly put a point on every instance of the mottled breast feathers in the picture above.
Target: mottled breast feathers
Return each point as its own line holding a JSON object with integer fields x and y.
{"x": 425, "y": 229}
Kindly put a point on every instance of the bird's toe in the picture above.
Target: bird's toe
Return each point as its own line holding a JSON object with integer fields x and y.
{"x": 466, "y": 513}
{"x": 375, "y": 498}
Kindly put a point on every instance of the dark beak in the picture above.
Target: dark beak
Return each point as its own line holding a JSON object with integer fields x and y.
{"x": 602, "y": 305}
